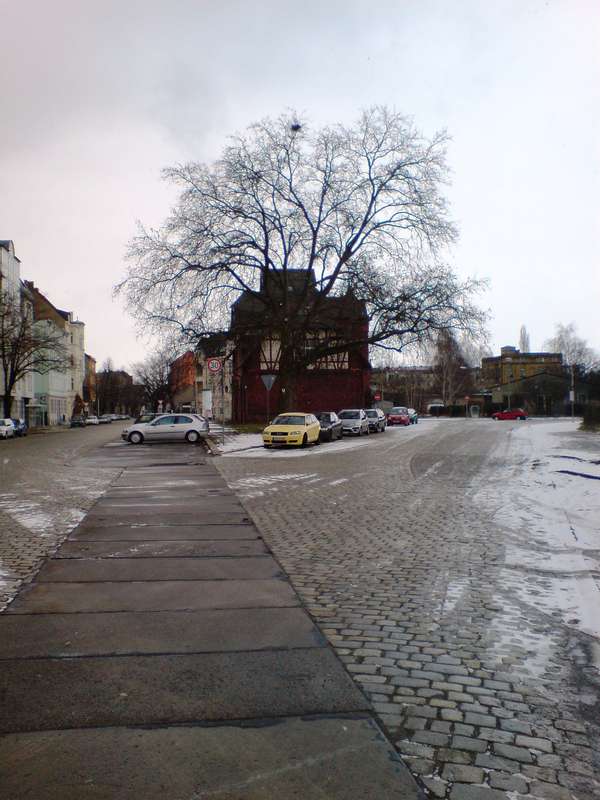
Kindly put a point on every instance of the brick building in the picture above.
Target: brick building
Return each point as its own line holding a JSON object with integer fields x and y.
{"x": 182, "y": 379}
{"x": 335, "y": 381}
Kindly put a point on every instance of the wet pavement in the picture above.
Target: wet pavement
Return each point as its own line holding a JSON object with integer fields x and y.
{"x": 165, "y": 654}
{"x": 403, "y": 549}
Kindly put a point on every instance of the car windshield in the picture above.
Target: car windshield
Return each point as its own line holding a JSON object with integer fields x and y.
{"x": 288, "y": 419}
{"x": 399, "y": 410}
{"x": 323, "y": 416}
{"x": 370, "y": 412}
{"x": 349, "y": 415}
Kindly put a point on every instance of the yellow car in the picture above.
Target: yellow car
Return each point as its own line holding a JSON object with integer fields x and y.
{"x": 293, "y": 427}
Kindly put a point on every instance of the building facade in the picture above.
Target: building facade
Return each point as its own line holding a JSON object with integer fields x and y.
{"x": 12, "y": 287}
{"x": 56, "y": 391}
{"x": 334, "y": 381}
{"x": 182, "y": 380}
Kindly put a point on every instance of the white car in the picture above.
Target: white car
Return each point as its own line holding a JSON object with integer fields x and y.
{"x": 168, "y": 428}
{"x": 7, "y": 429}
{"x": 92, "y": 421}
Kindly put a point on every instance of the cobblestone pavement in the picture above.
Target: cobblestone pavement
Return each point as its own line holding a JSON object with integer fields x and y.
{"x": 47, "y": 483}
{"x": 486, "y": 695}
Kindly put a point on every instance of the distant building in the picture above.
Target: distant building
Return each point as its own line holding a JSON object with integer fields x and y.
{"x": 182, "y": 380}
{"x": 57, "y": 390}
{"x": 89, "y": 383}
{"x": 513, "y": 365}
{"x": 538, "y": 382}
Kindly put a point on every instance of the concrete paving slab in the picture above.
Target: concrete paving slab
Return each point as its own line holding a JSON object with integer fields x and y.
{"x": 73, "y": 598}
{"x": 133, "y": 532}
{"x": 110, "y": 506}
{"x": 160, "y": 569}
{"x": 312, "y": 758}
{"x": 149, "y": 516}
{"x": 132, "y": 633}
{"x": 53, "y": 694}
{"x": 153, "y": 549}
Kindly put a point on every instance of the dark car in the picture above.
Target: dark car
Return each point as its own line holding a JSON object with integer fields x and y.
{"x": 398, "y": 415}
{"x": 77, "y": 422}
{"x": 20, "y": 427}
{"x": 331, "y": 426}
{"x": 377, "y": 421}
{"x": 510, "y": 413}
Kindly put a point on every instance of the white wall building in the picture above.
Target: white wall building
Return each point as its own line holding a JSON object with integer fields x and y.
{"x": 10, "y": 282}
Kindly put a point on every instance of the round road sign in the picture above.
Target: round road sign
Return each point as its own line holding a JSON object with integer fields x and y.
{"x": 214, "y": 364}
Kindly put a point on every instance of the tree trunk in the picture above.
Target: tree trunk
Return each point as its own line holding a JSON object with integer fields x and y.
{"x": 7, "y": 402}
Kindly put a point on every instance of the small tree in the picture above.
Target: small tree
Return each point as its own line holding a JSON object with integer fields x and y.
{"x": 452, "y": 373}
{"x": 575, "y": 351}
{"x": 26, "y": 346}
{"x": 153, "y": 375}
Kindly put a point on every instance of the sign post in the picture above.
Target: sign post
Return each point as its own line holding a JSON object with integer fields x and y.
{"x": 215, "y": 365}
{"x": 268, "y": 381}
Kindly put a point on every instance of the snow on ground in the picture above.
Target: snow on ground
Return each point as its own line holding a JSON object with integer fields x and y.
{"x": 548, "y": 502}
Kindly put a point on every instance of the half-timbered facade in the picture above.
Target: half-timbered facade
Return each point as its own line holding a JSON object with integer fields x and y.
{"x": 336, "y": 379}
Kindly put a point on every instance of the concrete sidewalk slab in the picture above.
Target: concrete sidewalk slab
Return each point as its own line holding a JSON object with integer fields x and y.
{"x": 132, "y": 633}
{"x": 133, "y": 516}
{"x": 153, "y": 549}
{"x": 337, "y": 758}
{"x": 139, "y": 531}
{"x": 160, "y": 569}
{"x": 53, "y": 694}
{"x": 73, "y": 598}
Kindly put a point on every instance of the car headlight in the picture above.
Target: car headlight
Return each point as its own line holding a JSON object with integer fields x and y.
{"x": 294, "y": 433}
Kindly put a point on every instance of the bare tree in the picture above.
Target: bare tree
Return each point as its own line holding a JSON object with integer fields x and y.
{"x": 359, "y": 209}
{"x": 153, "y": 375}
{"x": 26, "y": 346}
{"x": 524, "y": 344}
{"x": 453, "y": 375}
{"x": 576, "y": 351}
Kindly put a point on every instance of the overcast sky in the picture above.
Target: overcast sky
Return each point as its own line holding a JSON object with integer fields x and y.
{"x": 97, "y": 97}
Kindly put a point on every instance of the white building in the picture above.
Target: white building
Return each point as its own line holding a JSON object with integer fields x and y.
{"x": 10, "y": 283}
{"x": 56, "y": 391}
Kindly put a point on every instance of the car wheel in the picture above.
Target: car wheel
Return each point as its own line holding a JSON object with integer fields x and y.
{"x": 136, "y": 437}
{"x": 267, "y": 446}
{"x": 318, "y": 440}
{"x": 192, "y": 437}
{"x": 523, "y": 418}
{"x": 304, "y": 440}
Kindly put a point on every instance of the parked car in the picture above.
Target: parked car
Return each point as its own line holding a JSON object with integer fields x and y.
{"x": 105, "y": 419}
{"x": 78, "y": 422}
{"x": 20, "y": 427}
{"x": 398, "y": 415}
{"x": 412, "y": 416}
{"x": 331, "y": 426}
{"x": 293, "y": 427}
{"x": 510, "y": 413}
{"x": 376, "y": 420}
{"x": 354, "y": 421}
{"x": 7, "y": 429}
{"x": 93, "y": 420}
{"x": 167, "y": 428}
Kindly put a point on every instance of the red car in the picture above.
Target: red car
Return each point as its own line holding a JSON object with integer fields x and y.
{"x": 398, "y": 416}
{"x": 510, "y": 413}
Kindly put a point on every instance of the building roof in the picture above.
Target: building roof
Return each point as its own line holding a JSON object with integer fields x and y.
{"x": 250, "y": 310}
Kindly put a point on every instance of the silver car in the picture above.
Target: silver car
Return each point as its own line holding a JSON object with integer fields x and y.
{"x": 168, "y": 428}
{"x": 354, "y": 421}
{"x": 7, "y": 429}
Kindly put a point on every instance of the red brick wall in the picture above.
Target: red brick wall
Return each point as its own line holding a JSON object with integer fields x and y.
{"x": 182, "y": 373}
